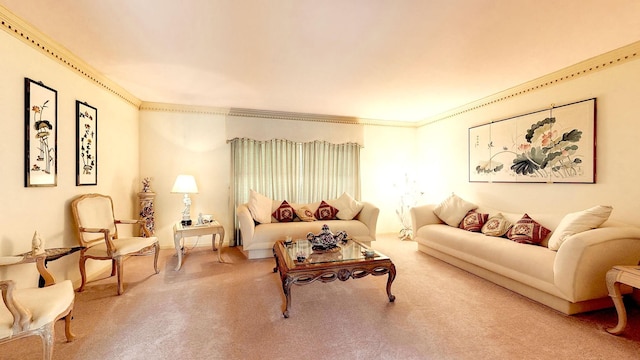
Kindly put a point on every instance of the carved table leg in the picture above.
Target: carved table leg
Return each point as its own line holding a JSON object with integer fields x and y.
{"x": 286, "y": 287}
{"x": 614, "y": 292}
{"x": 176, "y": 240}
{"x": 220, "y": 234}
{"x": 392, "y": 276}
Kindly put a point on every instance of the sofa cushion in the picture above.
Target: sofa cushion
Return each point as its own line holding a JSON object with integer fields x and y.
{"x": 453, "y": 209}
{"x": 325, "y": 212}
{"x": 260, "y": 207}
{"x": 305, "y": 214}
{"x": 578, "y": 222}
{"x": 527, "y": 231}
{"x": 497, "y": 225}
{"x": 473, "y": 221}
{"x": 284, "y": 212}
{"x": 347, "y": 206}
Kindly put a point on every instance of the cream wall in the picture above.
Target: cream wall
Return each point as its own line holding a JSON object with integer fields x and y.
{"x": 443, "y": 157}
{"x": 47, "y": 209}
{"x": 173, "y": 143}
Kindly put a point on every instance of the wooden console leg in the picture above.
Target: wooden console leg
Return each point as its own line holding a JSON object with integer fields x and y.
{"x": 614, "y": 292}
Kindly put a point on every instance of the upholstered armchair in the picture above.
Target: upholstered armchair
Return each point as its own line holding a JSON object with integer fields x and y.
{"x": 97, "y": 231}
{"x": 27, "y": 311}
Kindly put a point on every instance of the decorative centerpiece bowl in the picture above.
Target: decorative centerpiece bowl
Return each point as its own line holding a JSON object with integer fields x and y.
{"x": 326, "y": 240}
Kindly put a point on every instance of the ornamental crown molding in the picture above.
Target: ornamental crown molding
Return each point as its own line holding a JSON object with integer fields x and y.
{"x": 268, "y": 114}
{"x": 597, "y": 63}
{"x": 335, "y": 119}
{"x": 181, "y": 108}
{"x": 36, "y": 39}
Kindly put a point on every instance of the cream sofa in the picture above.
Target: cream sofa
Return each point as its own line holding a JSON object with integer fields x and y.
{"x": 570, "y": 280}
{"x": 258, "y": 238}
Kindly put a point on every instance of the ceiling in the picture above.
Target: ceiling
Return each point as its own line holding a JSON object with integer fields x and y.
{"x": 400, "y": 60}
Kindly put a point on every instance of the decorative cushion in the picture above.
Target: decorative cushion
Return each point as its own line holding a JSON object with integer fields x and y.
{"x": 347, "y": 206}
{"x": 453, "y": 209}
{"x": 284, "y": 212}
{"x": 473, "y": 221}
{"x": 527, "y": 231}
{"x": 305, "y": 214}
{"x": 326, "y": 211}
{"x": 578, "y": 222}
{"x": 496, "y": 225}
{"x": 260, "y": 207}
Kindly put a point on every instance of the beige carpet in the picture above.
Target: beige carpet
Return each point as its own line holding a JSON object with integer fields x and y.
{"x": 209, "y": 310}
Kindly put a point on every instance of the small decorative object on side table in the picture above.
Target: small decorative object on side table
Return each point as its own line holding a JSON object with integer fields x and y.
{"x": 212, "y": 228}
{"x": 628, "y": 275}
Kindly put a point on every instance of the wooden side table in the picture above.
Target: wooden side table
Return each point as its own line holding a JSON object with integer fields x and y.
{"x": 628, "y": 275}
{"x": 51, "y": 255}
{"x": 213, "y": 228}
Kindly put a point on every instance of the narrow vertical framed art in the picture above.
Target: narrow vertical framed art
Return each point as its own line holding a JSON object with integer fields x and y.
{"x": 41, "y": 134}
{"x": 86, "y": 144}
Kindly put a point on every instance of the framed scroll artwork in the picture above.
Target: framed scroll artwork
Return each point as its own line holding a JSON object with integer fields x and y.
{"x": 86, "y": 144}
{"x": 554, "y": 145}
{"x": 41, "y": 134}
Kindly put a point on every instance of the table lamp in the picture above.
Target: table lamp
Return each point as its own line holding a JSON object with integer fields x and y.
{"x": 185, "y": 184}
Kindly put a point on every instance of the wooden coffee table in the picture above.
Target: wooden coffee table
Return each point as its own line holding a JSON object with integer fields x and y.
{"x": 346, "y": 261}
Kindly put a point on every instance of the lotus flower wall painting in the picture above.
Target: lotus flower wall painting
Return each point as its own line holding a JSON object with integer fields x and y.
{"x": 41, "y": 134}
{"x": 555, "y": 145}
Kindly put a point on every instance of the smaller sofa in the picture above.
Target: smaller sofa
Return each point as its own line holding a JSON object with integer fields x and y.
{"x": 568, "y": 276}
{"x": 260, "y": 232}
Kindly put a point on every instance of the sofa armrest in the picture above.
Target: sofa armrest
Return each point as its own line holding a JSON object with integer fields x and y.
{"x": 423, "y": 215}
{"x": 369, "y": 217}
{"x": 583, "y": 260}
{"x": 247, "y": 225}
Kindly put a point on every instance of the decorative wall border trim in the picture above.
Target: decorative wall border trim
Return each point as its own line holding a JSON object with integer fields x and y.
{"x": 180, "y": 108}
{"x": 31, "y": 36}
{"x": 601, "y": 62}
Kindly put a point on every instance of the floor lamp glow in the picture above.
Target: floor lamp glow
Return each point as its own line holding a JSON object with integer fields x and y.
{"x": 185, "y": 184}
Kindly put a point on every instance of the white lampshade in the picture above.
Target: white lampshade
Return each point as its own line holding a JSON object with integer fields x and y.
{"x": 185, "y": 184}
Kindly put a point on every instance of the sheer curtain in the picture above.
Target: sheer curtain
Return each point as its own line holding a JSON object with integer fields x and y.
{"x": 296, "y": 172}
{"x": 268, "y": 167}
{"x": 329, "y": 170}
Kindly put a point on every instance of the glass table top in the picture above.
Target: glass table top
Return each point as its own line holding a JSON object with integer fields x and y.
{"x": 302, "y": 253}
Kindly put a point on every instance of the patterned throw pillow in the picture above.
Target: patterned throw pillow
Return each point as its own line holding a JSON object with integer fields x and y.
{"x": 305, "y": 214}
{"x": 527, "y": 231}
{"x": 497, "y": 225}
{"x": 284, "y": 212}
{"x": 473, "y": 221}
{"x": 326, "y": 211}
